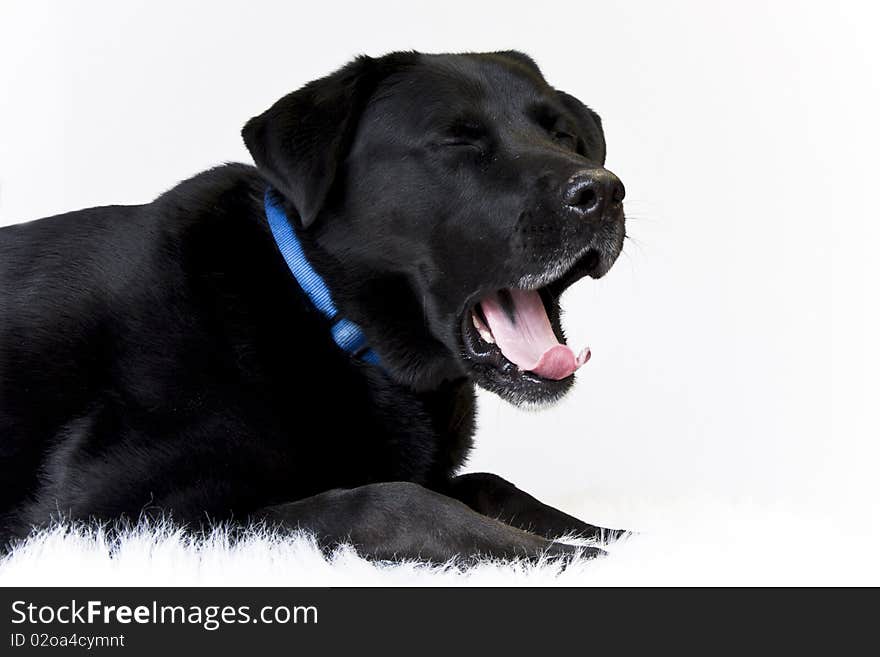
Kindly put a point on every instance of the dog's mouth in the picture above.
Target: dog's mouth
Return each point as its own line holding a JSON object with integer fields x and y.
{"x": 514, "y": 341}
{"x": 515, "y": 324}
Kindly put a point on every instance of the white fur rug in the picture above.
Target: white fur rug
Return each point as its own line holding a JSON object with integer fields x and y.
{"x": 678, "y": 544}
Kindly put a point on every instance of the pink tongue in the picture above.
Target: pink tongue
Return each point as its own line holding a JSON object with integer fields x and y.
{"x": 526, "y": 338}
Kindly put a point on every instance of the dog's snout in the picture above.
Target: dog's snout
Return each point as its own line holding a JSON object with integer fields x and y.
{"x": 592, "y": 192}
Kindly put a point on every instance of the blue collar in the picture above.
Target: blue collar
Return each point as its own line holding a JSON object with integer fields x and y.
{"x": 346, "y": 334}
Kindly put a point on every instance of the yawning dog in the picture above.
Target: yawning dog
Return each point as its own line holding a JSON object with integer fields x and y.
{"x": 298, "y": 342}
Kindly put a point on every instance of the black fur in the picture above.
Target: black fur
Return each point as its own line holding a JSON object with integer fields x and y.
{"x": 161, "y": 359}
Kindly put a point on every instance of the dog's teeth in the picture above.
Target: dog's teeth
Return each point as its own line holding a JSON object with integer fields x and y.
{"x": 482, "y": 329}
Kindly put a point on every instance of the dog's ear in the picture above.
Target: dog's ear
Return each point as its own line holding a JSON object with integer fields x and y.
{"x": 589, "y": 124}
{"x": 299, "y": 142}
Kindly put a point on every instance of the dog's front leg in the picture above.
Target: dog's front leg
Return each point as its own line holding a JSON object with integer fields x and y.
{"x": 495, "y": 497}
{"x": 401, "y": 520}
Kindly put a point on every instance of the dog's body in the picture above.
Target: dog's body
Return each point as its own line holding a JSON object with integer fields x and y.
{"x": 162, "y": 358}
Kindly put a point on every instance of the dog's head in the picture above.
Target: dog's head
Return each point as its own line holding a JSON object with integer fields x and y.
{"x": 449, "y": 200}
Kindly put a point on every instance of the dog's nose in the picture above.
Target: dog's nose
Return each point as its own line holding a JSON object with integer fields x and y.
{"x": 592, "y": 191}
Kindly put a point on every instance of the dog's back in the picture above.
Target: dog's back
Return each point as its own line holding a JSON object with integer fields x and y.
{"x": 55, "y": 305}
{"x": 95, "y": 306}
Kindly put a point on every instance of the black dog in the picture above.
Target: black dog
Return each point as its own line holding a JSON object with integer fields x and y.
{"x": 298, "y": 343}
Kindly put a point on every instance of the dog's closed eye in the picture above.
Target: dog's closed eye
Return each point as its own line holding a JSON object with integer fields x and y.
{"x": 558, "y": 128}
{"x": 465, "y": 143}
{"x": 566, "y": 140}
{"x": 466, "y": 133}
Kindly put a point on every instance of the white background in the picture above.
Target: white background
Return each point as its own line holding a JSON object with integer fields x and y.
{"x": 734, "y": 349}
